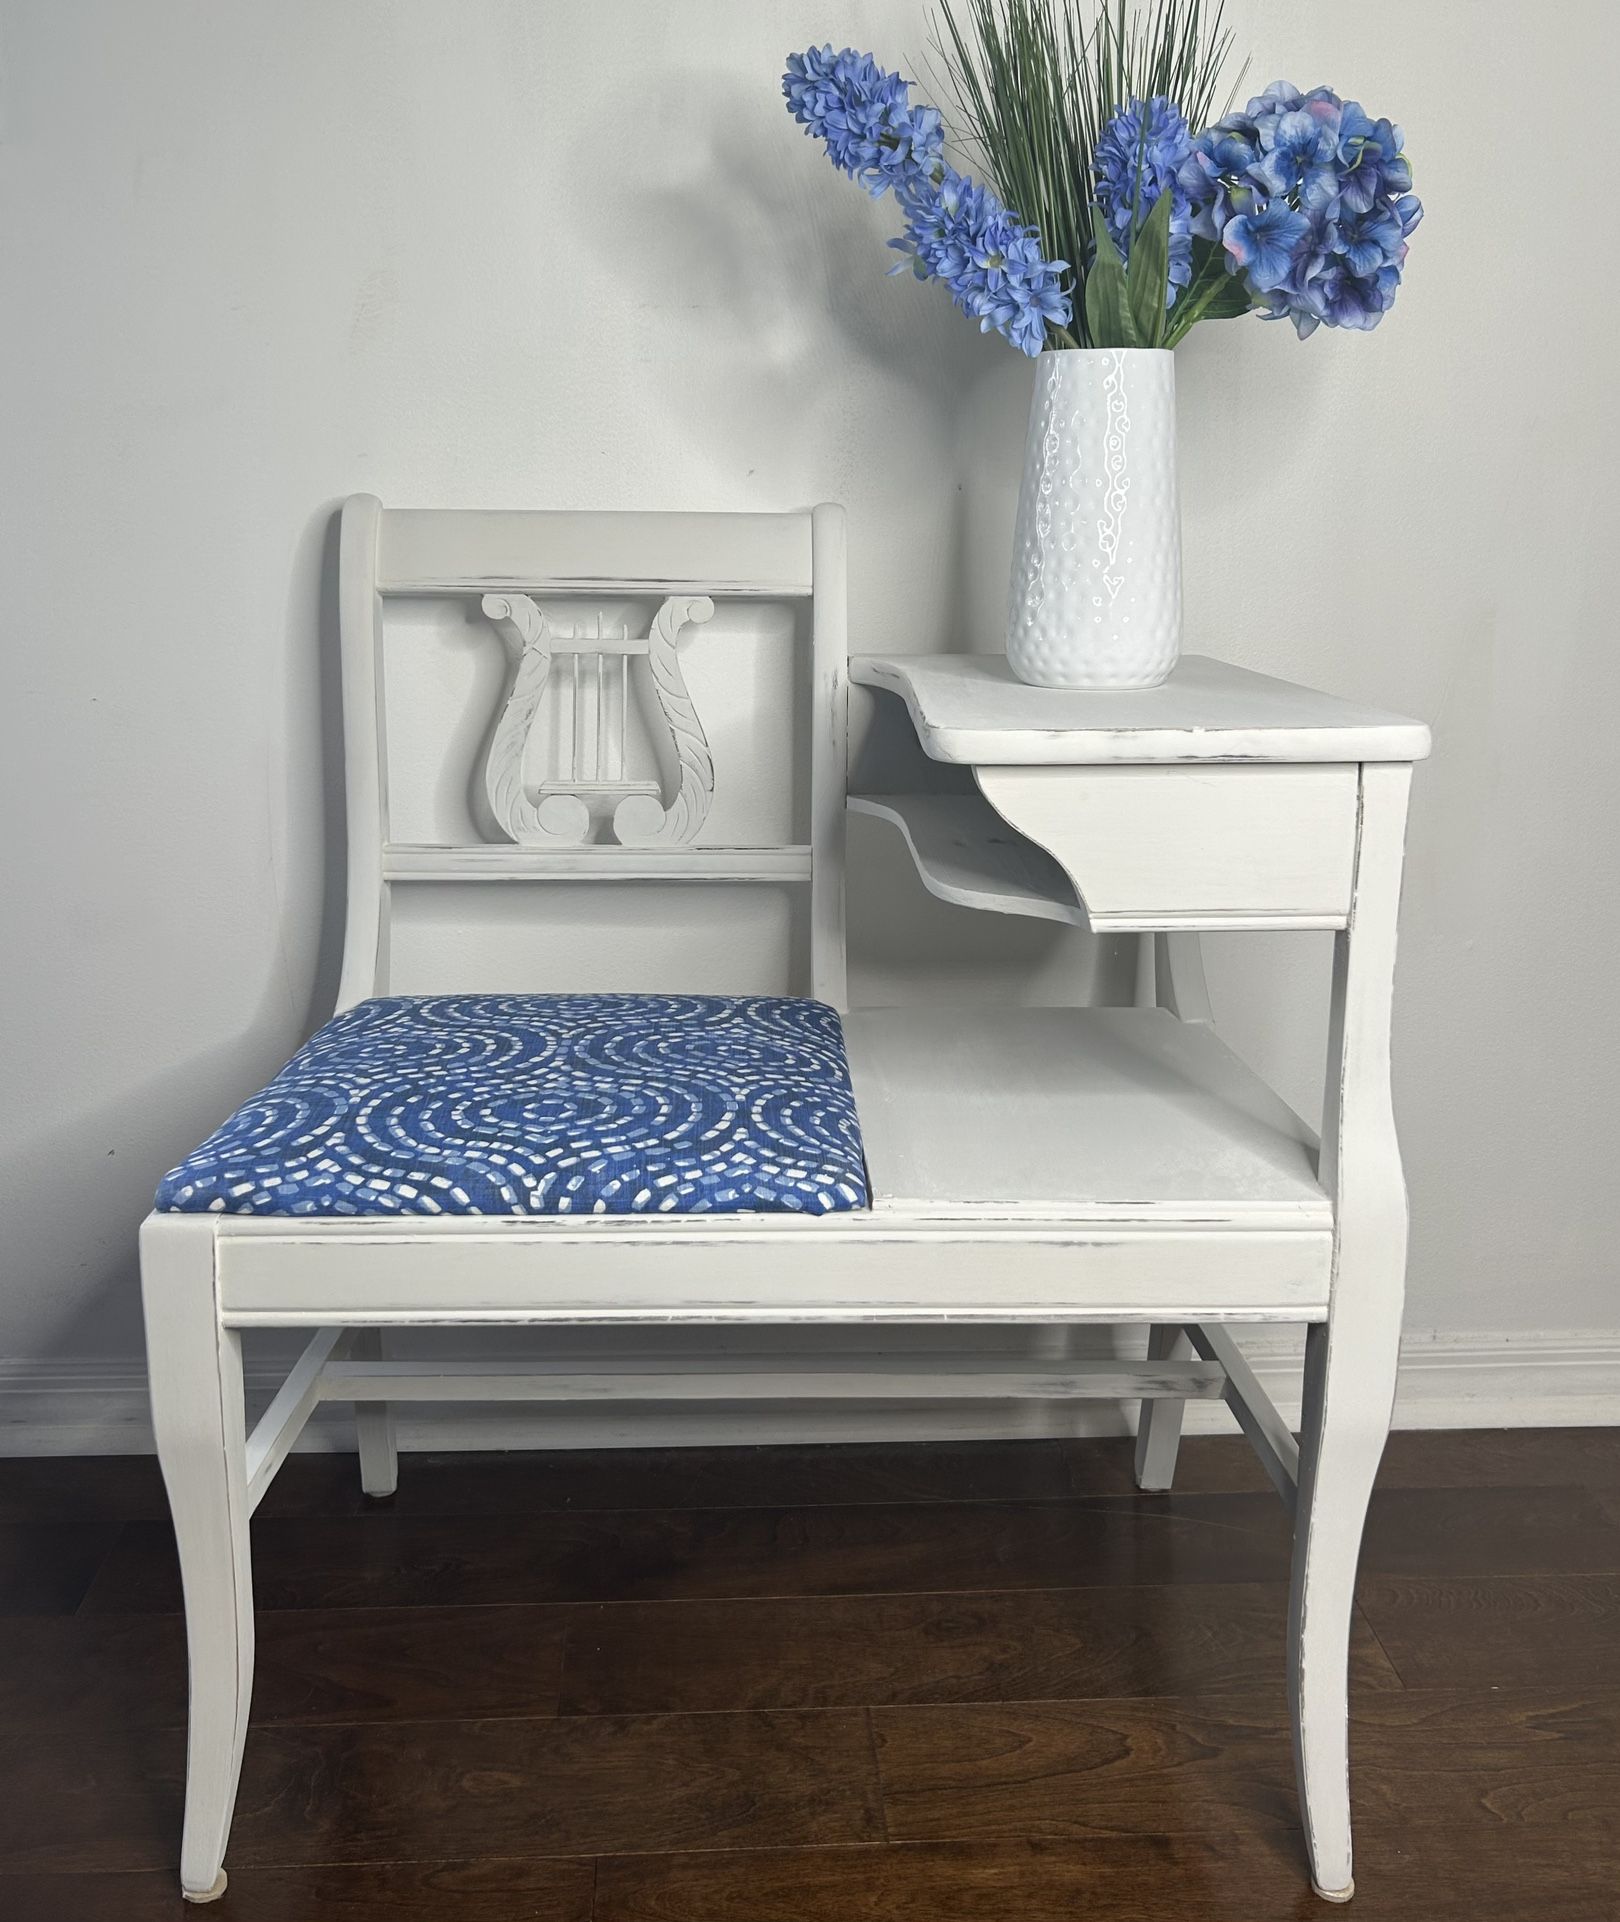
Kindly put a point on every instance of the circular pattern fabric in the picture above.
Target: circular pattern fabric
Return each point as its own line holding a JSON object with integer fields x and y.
{"x": 545, "y": 1104}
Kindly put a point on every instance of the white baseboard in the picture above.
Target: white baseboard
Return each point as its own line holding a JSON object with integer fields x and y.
{"x": 1570, "y": 1379}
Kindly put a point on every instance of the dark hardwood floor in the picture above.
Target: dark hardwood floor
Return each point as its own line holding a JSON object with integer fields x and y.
{"x": 965, "y": 1683}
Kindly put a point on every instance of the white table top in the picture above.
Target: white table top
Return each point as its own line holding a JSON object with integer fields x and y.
{"x": 968, "y": 708}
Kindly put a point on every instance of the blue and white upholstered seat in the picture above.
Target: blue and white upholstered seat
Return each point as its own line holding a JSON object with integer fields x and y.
{"x": 536, "y": 1104}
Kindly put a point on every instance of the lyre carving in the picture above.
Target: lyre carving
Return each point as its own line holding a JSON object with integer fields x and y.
{"x": 594, "y": 762}
{"x": 551, "y": 817}
{"x": 640, "y": 820}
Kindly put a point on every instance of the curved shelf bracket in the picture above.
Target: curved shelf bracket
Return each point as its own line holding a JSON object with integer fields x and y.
{"x": 966, "y": 854}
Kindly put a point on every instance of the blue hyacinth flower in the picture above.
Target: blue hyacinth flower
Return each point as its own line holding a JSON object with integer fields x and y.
{"x": 864, "y": 116}
{"x": 958, "y": 232}
{"x": 1140, "y": 156}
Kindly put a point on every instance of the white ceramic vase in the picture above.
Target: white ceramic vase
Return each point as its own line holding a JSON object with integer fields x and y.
{"x": 1095, "y": 599}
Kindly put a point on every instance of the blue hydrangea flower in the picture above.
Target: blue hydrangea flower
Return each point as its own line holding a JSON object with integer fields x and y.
{"x": 1330, "y": 295}
{"x": 1263, "y": 243}
{"x": 1139, "y": 156}
{"x": 1371, "y": 161}
{"x": 1311, "y": 199}
{"x": 864, "y": 116}
{"x": 1281, "y": 97}
{"x": 1369, "y": 241}
{"x": 1299, "y": 155}
{"x": 1233, "y": 144}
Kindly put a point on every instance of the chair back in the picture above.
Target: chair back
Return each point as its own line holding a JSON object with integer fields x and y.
{"x": 593, "y": 763}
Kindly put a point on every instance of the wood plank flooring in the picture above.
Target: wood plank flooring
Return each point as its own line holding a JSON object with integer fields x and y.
{"x": 965, "y": 1683}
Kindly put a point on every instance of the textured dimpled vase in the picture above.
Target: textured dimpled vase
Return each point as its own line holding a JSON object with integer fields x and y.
{"x": 1095, "y": 599}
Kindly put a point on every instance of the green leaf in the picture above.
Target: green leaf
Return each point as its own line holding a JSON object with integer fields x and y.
{"x": 1212, "y": 294}
{"x": 1108, "y": 308}
{"x": 1230, "y": 299}
{"x": 1149, "y": 273}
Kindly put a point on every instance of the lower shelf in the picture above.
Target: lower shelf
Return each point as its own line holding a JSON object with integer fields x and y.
{"x": 1043, "y": 1111}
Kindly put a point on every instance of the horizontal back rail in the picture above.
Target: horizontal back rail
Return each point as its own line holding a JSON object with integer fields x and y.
{"x": 404, "y": 862}
{"x": 427, "y": 551}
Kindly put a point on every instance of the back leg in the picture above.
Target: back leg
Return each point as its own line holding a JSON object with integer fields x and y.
{"x": 374, "y": 1423}
{"x": 1158, "y": 1431}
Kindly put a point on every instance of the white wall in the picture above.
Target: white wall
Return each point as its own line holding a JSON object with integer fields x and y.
{"x": 256, "y": 256}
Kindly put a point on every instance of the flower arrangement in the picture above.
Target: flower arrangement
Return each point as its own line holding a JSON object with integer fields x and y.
{"x": 1103, "y": 220}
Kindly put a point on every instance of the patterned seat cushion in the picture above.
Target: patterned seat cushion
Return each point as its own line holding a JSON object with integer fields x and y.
{"x": 538, "y": 1104}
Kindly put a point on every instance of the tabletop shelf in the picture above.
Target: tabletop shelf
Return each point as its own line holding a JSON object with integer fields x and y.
{"x": 969, "y": 709}
{"x": 966, "y": 854}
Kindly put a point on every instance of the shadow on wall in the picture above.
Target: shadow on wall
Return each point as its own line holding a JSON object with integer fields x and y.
{"x": 877, "y": 392}
{"x": 788, "y": 264}
{"x": 93, "y": 1176}
{"x": 791, "y": 263}
{"x": 335, "y": 833}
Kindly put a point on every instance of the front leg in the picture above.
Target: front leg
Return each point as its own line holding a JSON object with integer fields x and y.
{"x": 1351, "y": 1359}
{"x": 1349, "y": 1389}
{"x": 194, "y": 1364}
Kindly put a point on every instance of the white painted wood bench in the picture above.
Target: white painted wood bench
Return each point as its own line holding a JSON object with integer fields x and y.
{"x": 1037, "y": 1166}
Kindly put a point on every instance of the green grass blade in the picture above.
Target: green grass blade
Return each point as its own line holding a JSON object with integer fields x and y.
{"x": 1029, "y": 86}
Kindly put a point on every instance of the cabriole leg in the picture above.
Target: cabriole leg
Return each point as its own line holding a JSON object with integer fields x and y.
{"x": 1349, "y": 1387}
{"x": 1352, "y": 1358}
{"x": 374, "y": 1422}
{"x": 195, "y": 1369}
{"x": 1158, "y": 1429}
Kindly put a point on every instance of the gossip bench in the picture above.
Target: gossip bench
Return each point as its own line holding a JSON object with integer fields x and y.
{"x": 459, "y": 1147}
